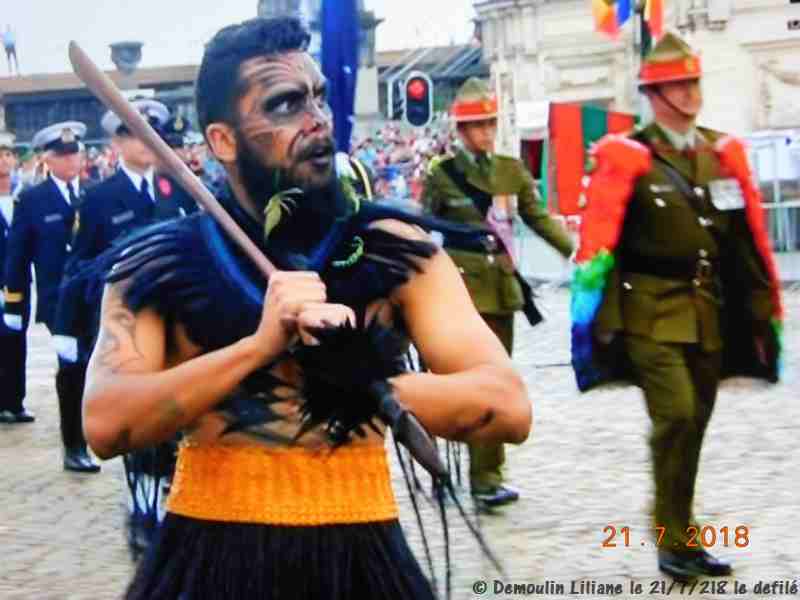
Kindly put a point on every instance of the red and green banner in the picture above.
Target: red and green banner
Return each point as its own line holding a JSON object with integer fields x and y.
{"x": 573, "y": 129}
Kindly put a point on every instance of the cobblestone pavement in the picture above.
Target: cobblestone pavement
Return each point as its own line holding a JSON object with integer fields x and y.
{"x": 584, "y": 468}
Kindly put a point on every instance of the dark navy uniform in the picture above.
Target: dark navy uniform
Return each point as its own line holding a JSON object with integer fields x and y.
{"x": 40, "y": 234}
{"x": 13, "y": 346}
{"x": 115, "y": 207}
{"x": 110, "y": 210}
{"x": 125, "y": 202}
{"x": 174, "y": 133}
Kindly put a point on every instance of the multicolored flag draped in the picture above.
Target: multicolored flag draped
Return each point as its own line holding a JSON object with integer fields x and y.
{"x": 654, "y": 15}
{"x": 340, "y": 41}
{"x": 624, "y": 11}
{"x": 605, "y": 16}
{"x": 611, "y": 15}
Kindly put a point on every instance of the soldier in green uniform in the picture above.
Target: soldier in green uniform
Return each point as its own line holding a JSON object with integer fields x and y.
{"x": 466, "y": 188}
{"x": 691, "y": 295}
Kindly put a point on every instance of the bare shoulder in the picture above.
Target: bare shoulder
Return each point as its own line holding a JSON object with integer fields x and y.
{"x": 128, "y": 341}
{"x": 402, "y": 229}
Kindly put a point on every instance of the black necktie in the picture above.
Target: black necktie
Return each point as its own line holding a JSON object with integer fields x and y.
{"x": 143, "y": 191}
{"x": 73, "y": 198}
{"x": 484, "y": 164}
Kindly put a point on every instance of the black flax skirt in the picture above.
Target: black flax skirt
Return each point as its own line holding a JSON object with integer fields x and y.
{"x": 210, "y": 560}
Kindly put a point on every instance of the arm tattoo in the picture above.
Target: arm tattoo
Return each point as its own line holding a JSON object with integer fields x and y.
{"x": 172, "y": 413}
{"x": 482, "y": 422}
{"x": 122, "y": 444}
{"x": 117, "y": 344}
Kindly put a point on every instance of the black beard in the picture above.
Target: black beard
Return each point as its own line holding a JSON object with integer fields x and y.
{"x": 260, "y": 182}
{"x": 312, "y": 212}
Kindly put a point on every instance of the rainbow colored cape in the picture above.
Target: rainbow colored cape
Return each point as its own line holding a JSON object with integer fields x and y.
{"x": 620, "y": 161}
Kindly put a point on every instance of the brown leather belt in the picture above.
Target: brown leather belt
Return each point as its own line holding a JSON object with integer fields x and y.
{"x": 702, "y": 269}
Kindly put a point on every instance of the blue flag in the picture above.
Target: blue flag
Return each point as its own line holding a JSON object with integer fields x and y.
{"x": 623, "y": 11}
{"x": 340, "y": 40}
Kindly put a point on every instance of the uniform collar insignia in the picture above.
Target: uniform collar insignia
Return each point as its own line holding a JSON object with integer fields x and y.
{"x": 67, "y": 136}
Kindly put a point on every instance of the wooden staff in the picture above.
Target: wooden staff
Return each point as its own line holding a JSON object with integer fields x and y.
{"x": 101, "y": 86}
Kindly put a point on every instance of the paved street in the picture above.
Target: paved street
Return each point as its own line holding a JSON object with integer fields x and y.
{"x": 584, "y": 468}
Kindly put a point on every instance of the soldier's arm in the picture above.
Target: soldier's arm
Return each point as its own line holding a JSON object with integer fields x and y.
{"x": 538, "y": 219}
{"x": 21, "y": 241}
{"x": 473, "y": 396}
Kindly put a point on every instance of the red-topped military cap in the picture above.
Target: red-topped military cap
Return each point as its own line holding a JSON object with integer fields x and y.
{"x": 672, "y": 59}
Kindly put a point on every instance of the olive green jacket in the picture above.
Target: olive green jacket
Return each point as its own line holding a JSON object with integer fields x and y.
{"x": 661, "y": 224}
{"x": 489, "y": 277}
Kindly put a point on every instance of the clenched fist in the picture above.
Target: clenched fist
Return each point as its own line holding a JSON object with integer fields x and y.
{"x": 294, "y": 305}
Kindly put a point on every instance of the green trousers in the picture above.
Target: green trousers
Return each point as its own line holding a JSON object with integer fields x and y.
{"x": 680, "y": 386}
{"x": 486, "y": 460}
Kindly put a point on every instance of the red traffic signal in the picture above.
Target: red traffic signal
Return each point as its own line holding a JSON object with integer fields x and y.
{"x": 417, "y": 88}
{"x": 418, "y": 99}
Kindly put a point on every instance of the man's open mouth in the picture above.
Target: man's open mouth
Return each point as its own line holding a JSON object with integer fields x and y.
{"x": 320, "y": 156}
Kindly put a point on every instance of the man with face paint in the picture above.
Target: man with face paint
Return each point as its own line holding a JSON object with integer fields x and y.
{"x": 282, "y": 488}
{"x": 674, "y": 236}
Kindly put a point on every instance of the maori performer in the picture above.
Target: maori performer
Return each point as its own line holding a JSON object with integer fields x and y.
{"x": 282, "y": 488}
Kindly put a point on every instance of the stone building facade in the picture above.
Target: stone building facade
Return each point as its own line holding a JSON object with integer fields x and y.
{"x": 547, "y": 51}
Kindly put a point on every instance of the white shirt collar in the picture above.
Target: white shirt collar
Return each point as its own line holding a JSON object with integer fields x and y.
{"x": 680, "y": 141}
{"x": 136, "y": 179}
{"x": 62, "y": 186}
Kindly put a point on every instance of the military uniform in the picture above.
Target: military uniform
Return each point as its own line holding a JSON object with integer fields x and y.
{"x": 174, "y": 133}
{"x": 40, "y": 236}
{"x": 671, "y": 321}
{"x": 688, "y": 285}
{"x": 122, "y": 204}
{"x": 13, "y": 346}
{"x": 453, "y": 191}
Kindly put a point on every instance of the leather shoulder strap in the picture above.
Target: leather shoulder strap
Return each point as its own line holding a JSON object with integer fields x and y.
{"x": 482, "y": 200}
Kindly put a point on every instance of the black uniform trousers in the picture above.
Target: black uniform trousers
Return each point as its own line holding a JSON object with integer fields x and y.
{"x": 13, "y": 352}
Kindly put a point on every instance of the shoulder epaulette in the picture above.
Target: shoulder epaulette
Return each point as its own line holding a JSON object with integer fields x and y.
{"x": 712, "y": 135}
{"x": 363, "y": 175}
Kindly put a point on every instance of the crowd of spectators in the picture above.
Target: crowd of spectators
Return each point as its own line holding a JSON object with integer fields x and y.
{"x": 398, "y": 159}
{"x": 100, "y": 162}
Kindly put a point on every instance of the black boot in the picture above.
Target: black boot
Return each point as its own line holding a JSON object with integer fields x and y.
{"x": 69, "y": 386}
{"x": 683, "y": 566}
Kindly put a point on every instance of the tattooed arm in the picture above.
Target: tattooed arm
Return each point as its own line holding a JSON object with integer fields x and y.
{"x": 473, "y": 392}
{"x": 134, "y": 395}
{"x": 132, "y": 399}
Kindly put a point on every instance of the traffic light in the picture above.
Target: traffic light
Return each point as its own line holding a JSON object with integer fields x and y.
{"x": 419, "y": 99}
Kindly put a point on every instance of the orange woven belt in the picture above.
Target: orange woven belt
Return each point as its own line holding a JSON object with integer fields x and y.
{"x": 287, "y": 486}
